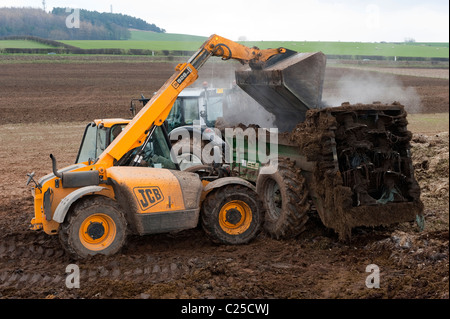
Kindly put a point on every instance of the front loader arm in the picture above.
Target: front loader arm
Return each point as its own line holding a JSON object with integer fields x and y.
{"x": 158, "y": 108}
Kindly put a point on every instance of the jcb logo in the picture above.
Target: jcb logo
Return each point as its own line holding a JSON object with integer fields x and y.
{"x": 148, "y": 196}
{"x": 180, "y": 79}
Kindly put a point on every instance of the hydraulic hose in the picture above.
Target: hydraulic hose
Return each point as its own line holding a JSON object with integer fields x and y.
{"x": 220, "y": 46}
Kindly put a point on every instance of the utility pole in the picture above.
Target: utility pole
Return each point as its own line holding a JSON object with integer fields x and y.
{"x": 43, "y": 4}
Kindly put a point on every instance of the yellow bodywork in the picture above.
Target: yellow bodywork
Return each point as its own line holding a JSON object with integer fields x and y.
{"x": 153, "y": 189}
{"x": 111, "y": 122}
{"x": 58, "y": 193}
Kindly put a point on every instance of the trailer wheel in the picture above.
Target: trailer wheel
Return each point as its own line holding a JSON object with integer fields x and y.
{"x": 285, "y": 198}
{"x": 94, "y": 226}
{"x": 232, "y": 214}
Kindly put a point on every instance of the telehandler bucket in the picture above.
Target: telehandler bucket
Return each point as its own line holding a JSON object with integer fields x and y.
{"x": 287, "y": 88}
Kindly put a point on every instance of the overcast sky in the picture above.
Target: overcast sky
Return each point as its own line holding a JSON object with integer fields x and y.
{"x": 281, "y": 20}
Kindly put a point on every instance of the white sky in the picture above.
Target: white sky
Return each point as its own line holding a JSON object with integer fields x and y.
{"x": 281, "y": 20}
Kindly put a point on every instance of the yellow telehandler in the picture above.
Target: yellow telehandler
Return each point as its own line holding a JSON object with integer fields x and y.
{"x": 134, "y": 186}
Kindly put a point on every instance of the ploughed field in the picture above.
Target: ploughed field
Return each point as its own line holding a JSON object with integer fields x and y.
{"x": 44, "y": 108}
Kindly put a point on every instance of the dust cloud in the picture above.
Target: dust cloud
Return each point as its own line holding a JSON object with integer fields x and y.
{"x": 238, "y": 106}
{"x": 370, "y": 87}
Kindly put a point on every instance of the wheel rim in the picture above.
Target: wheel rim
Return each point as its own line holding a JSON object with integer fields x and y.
{"x": 274, "y": 199}
{"x": 235, "y": 217}
{"x": 97, "y": 232}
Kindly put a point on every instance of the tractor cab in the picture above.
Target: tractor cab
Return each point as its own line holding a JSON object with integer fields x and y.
{"x": 196, "y": 104}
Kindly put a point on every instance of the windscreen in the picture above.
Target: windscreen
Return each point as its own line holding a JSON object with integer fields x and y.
{"x": 88, "y": 144}
{"x": 214, "y": 109}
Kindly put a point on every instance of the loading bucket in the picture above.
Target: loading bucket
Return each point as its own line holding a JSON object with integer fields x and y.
{"x": 287, "y": 88}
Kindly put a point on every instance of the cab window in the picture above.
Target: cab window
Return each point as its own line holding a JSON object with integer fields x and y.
{"x": 115, "y": 131}
{"x": 214, "y": 109}
{"x": 190, "y": 111}
{"x": 88, "y": 144}
{"x": 175, "y": 118}
{"x": 157, "y": 152}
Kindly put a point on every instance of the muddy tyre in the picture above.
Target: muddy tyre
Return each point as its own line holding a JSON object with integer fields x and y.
{"x": 285, "y": 198}
{"x": 93, "y": 226}
{"x": 232, "y": 215}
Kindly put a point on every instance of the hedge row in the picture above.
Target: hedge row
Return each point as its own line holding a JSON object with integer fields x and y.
{"x": 384, "y": 58}
{"x": 39, "y": 40}
{"x": 98, "y": 51}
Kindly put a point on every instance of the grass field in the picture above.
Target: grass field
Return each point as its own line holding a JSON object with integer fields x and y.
{"x": 137, "y": 35}
{"x": 360, "y": 48}
{"x": 338, "y": 48}
{"x": 133, "y": 44}
{"x": 170, "y": 41}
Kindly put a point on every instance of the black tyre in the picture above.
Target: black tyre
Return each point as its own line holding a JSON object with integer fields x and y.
{"x": 95, "y": 225}
{"x": 285, "y": 198}
{"x": 232, "y": 214}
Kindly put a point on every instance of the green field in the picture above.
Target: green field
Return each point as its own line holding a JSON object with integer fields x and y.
{"x": 361, "y": 48}
{"x": 153, "y": 36}
{"x": 133, "y": 44}
{"x": 169, "y": 41}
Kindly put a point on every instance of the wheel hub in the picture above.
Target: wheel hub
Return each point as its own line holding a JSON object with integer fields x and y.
{"x": 95, "y": 230}
{"x": 233, "y": 216}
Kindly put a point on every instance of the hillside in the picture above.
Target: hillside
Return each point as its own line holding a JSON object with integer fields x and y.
{"x": 92, "y": 25}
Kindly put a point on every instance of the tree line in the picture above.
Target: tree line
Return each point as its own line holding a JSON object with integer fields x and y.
{"x": 92, "y": 25}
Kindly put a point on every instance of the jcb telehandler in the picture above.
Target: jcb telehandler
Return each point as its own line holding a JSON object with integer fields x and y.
{"x": 92, "y": 205}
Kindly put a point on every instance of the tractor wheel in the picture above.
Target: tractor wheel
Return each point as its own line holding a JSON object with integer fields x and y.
{"x": 285, "y": 198}
{"x": 232, "y": 215}
{"x": 93, "y": 226}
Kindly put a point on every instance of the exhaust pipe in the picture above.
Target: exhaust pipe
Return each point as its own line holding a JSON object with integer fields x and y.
{"x": 55, "y": 171}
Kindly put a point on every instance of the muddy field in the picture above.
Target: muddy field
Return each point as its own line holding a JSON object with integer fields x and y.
{"x": 43, "y": 110}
